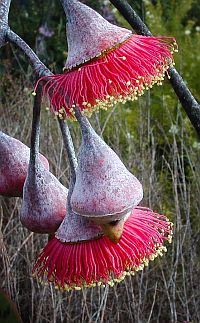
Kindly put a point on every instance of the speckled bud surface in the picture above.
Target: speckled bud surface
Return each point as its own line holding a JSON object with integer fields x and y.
{"x": 44, "y": 200}
{"x": 104, "y": 188}
{"x": 75, "y": 228}
{"x": 88, "y": 33}
{"x": 14, "y": 160}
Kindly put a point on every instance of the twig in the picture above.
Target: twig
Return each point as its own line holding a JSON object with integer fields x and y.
{"x": 187, "y": 100}
{"x": 68, "y": 143}
{"x": 41, "y": 70}
{"x": 38, "y": 67}
{"x": 132, "y": 17}
{"x": 35, "y": 133}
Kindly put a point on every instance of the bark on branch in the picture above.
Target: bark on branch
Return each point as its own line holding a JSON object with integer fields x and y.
{"x": 38, "y": 67}
{"x": 4, "y": 11}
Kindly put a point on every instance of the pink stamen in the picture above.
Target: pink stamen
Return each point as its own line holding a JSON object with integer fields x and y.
{"x": 88, "y": 263}
{"x": 120, "y": 74}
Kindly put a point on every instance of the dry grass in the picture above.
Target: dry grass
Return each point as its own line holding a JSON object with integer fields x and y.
{"x": 168, "y": 290}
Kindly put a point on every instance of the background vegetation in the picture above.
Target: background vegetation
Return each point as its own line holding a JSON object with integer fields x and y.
{"x": 155, "y": 140}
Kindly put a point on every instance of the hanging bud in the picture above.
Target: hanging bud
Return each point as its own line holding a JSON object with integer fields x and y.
{"x": 44, "y": 197}
{"x": 105, "y": 190}
{"x": 14, "y": 160}
{"x": 44, "y": 200}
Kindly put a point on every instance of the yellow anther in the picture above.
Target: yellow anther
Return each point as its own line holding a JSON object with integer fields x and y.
{"x": 111, "y": 283}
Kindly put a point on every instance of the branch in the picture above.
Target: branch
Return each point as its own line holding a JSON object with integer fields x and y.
{"x": 4, "y": 11}
{"x": 41, "y": 70}
{"x": 38, "y": 67}
{"x": 187, "y": 100}
{"x": 132, "y": 17}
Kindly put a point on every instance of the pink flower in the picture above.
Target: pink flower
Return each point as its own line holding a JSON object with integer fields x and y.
{"x": 106, "y": 64}
{"x": 96, "y": 260}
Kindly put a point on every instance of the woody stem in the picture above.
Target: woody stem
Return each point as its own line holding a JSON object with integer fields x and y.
{"x": 4, "y": 11}
{"x": 41, "y": 70}
{"x": 67, "y": 139}
{"x": 35, "y": 133}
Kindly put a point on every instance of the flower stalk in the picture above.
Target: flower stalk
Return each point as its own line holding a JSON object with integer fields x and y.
{"x": 35, "y": 133}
